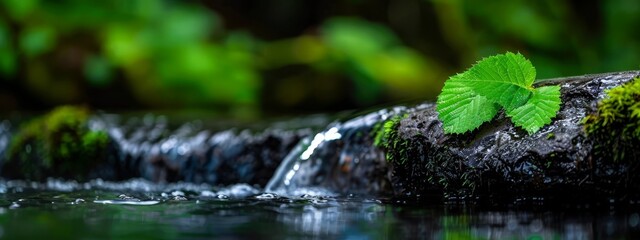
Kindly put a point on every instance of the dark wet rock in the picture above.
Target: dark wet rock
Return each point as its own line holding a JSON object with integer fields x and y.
{"x": 148, "y": 148}
{"x": 502, "y": 161}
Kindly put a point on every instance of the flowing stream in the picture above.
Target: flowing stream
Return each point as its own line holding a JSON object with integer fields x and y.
{"x": 137, "y": 208}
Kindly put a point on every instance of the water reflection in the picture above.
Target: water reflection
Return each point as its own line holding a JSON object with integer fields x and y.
{"x": 95, "y": 210}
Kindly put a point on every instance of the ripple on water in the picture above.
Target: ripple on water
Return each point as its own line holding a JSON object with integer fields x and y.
{"x": 236, "y": 191}
{"x": 136, "y": 202}
{"x": 266, "y": 196}
{"x": 132, "y": 185}
{"x": 311, "y": 214}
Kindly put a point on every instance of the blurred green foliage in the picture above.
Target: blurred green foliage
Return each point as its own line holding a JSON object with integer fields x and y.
{"x": 169, "y": 53}
{"x": 370, "y": 54}
{"x": 242, "y": 57}
{"x": 560, "y": 37}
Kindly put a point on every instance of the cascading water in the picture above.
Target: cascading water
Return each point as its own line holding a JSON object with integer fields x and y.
{"x": 339, "y": 160}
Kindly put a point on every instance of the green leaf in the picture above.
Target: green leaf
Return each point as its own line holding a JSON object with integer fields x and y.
{"x": 461, "y": 109}
{"x": 475, "y": 96}
{"x": 539, "y": 110}
{"x": 505, "y": 79}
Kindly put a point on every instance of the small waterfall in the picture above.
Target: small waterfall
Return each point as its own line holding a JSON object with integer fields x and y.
{"x": 339, "y": 160}
{"x": 150, "y": 148}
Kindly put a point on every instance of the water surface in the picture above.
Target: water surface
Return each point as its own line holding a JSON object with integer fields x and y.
{"x": 137, "y": 209}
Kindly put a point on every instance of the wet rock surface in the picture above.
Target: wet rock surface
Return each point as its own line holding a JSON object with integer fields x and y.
{"x": 500, "y": 160}
{"x": 192, "y": 154}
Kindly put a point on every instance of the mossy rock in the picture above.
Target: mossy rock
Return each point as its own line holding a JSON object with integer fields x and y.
{"x": 615, "y": 126}
{"x": 58, "y": 144}
{"x": 564, "y": 160}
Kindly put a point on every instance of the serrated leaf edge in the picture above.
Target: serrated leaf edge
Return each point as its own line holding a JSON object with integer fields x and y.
{"x": 551, "y": 105}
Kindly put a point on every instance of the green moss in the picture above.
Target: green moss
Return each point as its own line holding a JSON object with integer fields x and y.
{"x": 58, "y": 144}
{"x": 382, "y": 131}
{"x": 551, "y": 135}
{"x": 616, "y": 124}
{"x": 385, "y": 137}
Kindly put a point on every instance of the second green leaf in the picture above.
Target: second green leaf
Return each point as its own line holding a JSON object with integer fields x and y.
{"x": 506, "y": 80}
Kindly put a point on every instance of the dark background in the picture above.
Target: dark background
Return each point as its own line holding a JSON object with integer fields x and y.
{"x": 251, "y": 58}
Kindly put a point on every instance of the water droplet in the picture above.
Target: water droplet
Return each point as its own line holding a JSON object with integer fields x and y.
{"x": 177, "y": 193}
{"x": 179, "y": 198}
{"x": 222, "y": 196}
{"x": 266, "y": 196}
